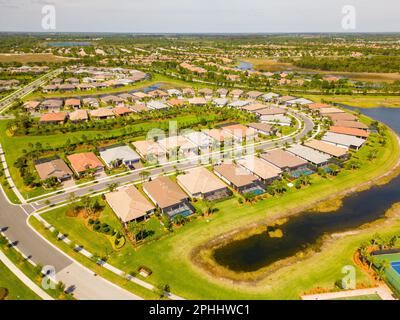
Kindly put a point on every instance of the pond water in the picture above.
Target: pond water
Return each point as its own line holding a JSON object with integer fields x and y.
{"x": 245, "y": 66}
{"x": 305, "y": 229}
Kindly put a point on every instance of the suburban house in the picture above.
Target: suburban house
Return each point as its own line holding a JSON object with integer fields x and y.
{"x": 239, "y": 104}
{"x": 129, "y": 204}
{"x": 333, "y": 151}
{"x": 299, "y": 101}
{"x": 197, "y": 101}
{"x": 236, "y": 93}
{"x": 220, "y": 102}
{"x": 268, "y": 97}
{"x": 141, "y": 95}
{"x": 331, "y": 110}
{"x": 156, "y": 105}
{"x": 351, "y": 124}
{"x": 57, "y": 168}
{"x": 254, "y": 107}
{"x": 91, "y": 102}
{"x": 219, "y": 136}
{"x": 188, "y": 92}
{"x": 201, "y": 183}
{"x": 111, "y": 100}
{"x": 53, "y": 118}
{"x": 240, "y": 132}
{"x": 200, "y": 139}
{"x": 278, "y": 119}
{"x": 316, "y": 106}
{"x": 206, "y": 92}
{"x": 72, "y": 103}
{"x": 261, "y": 113}
{"x": 285, "y": 99}
{"x": 174, "y": 102}
{"x": 239, "y": 178}
{"x": 51, "y": 105}
{"x": 122, "y": 111}
{"x": 284, "y": 160}
{"x": 344, "y": 116}
{"x": 174, "y": 92}
{"x": 66, "y": 87}
{"x": 31, "y": 106}
{"x": 222, "y": 92}
{"x": 167, "y": 195}
{"x": 115, "y": 156}
{"x": 102, "y": 113}
{"x": 359, "y": 133}
{"x": 78, "y": 116}
{"x": 150, "y": 150}
{"x": 81, "y": 162}
{"x": 139, "y": 107}
{"x": 175, "y": 145}
{"x": 263, "y": 128}
{"x": 262, "y": 169}
{"x": 314, "y": 157}
{"x": 343, "y": 140}
{"x": 157, "y": 94}
{"x": 254, "y": 94}
{"x": 126, "y": 96}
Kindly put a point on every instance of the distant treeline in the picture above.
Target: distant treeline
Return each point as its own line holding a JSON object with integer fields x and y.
{"x": 361, "y": 64}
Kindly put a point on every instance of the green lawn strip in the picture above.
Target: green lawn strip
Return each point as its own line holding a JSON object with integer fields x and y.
{"x": 32, "y": 272}
{"x": 17, "y": 290}
{"x": 106, "y": 274}
{"x": 8, "y": 191}
{"x": 168, "y": 257}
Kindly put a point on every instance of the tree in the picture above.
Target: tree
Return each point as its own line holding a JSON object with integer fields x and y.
{"x": 112, "y": 186}
{"x": 210, "y": 206}
{"x": 144, "y": 175}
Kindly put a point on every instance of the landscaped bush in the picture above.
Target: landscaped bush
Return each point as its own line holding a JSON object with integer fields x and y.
{"x": 3, "y": 293}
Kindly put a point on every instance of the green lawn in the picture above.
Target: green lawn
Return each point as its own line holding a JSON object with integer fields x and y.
{"x": 169, "y": 258}
{"x": 16, "y": 288}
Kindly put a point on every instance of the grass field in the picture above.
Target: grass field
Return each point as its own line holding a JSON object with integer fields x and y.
{"x": 366, "y": 297}
{"x": 271, "y": 65}
{"x": 31, "y": 57}
{"x": 169, "y": 258}
{"x": 360, "y": 101}
{"x": 16, "y": 288}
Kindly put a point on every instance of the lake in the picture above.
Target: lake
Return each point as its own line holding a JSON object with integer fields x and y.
{"x": 305, "y": 229}
{"x": 244, "y": 66}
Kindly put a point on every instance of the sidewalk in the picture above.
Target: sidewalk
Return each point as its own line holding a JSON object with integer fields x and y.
{"x": 21, "y": 276}
{"x": 382, "y": 291}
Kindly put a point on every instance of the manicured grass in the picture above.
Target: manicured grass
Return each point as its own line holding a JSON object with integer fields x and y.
{"x": 169, "y": 258}
{"x": 128, "y": 285}
{"x": 16, "y": 288}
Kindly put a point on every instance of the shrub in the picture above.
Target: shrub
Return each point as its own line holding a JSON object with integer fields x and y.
{"x": 3, "y": 293}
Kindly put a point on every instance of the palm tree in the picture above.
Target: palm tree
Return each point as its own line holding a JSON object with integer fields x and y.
{"x": 144, "y": 175}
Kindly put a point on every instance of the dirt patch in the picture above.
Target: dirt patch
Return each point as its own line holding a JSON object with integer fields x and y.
{"x": 31, "y": 57}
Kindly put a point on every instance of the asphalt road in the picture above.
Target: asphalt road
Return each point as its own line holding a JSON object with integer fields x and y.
{"x": 83, "y": 283}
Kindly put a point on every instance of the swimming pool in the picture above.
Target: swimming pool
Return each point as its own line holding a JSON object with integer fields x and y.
{"x": 296, "y": 174}
{"x": 396, "y": 266}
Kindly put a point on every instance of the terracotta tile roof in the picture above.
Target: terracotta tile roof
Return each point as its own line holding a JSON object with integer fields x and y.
{"x": 80, "y": 162}
{"x": 53, "y": 117}
{"x": 101, "y": 113}
{"x": 78, "y": 115}
{"x": 350, "y": 124}
{"x": 200, "y": 180}
{"x": 315, "y": 106}
{"x": 121, "y": 111}
{"x": 349, "y": 131}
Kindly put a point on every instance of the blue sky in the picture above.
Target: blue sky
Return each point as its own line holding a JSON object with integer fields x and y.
{"x": 185, "y": 16}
